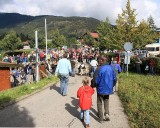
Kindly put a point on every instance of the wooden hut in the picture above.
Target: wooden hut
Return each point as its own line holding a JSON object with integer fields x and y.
{"x": 5, "y": 74}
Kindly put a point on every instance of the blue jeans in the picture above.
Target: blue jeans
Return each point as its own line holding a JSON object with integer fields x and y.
{"x": 93, "y": 70}
{"x": 64, "y": 79}
{"x": 152, "y": 70}
{"x": 124, "y": 67}
{"x": 85, "y": 113}
{"x": 73, "y": 71}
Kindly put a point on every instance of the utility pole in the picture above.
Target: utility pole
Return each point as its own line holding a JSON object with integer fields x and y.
{"x": 37, "y": 63}
{"x": 46, "y": 36}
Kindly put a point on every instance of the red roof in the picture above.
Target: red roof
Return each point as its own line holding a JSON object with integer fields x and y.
{"x": 94, "y": 35}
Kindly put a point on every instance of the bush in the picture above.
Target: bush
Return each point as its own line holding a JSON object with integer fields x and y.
{"x": 145, "y": 61}
{"x": 2, "y": 55}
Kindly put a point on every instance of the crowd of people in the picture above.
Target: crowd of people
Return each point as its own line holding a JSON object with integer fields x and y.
{"x": 83, "y": 61}
{"x": 104, "y": 78}
{"x": 64, "y": 63}
{"x": 26, "y": 73}
{"x": 145, "y": 66}
{"x": 104, "y": 74}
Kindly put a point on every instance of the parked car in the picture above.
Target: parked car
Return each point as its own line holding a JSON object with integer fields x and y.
{"x": 141, "y": 53}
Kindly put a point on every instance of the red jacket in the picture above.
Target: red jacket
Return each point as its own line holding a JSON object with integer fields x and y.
{"x": 84, "y": 94}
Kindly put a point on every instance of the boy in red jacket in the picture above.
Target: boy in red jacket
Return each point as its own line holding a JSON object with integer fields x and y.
{"x": 84, "y": 94}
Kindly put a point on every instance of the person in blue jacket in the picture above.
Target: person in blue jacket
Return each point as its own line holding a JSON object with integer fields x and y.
{"x": 117, "y": 69}
{"x": 105, "y": 81}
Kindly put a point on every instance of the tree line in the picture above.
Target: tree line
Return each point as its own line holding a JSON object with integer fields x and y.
{"x": 13, "y": 41}
{"x": 127, "y": 29}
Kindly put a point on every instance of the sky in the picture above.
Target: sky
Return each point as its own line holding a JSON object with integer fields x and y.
{"x": 99, "y": 9}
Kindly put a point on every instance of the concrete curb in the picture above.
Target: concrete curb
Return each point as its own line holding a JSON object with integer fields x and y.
{"x": 4, "y": 105}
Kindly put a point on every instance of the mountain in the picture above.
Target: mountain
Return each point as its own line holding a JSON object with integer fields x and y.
{"x": 27, "y": 25}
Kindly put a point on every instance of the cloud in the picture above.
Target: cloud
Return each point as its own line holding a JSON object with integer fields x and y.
{"x": 145, "y": 8}
{"x": 99, "y": 9}
{"x": 4, "y": 4}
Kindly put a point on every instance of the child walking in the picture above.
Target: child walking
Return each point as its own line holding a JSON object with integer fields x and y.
{"x": 84, "y": 94}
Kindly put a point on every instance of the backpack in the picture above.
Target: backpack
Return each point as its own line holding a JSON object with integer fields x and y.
{"x": 30, "y": 70}
{"x": 115, "y": 68}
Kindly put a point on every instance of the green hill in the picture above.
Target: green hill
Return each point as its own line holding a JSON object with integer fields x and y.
{"x": 27, "y": 25}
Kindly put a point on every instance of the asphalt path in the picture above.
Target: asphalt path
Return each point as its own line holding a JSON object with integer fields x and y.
{"x": 49, "y": 108}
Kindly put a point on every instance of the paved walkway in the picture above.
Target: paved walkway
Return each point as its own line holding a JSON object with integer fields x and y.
{"x": 49, "y": 109}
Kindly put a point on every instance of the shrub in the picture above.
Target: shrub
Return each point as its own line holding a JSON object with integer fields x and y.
{"x": 145, "y": 61}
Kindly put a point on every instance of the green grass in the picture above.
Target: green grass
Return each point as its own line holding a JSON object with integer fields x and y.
{"x": 140, "y": 95}
{"x": 14, "y": 94}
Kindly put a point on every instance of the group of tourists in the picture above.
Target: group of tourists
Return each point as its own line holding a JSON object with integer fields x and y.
{"x": 104, "y": 78}
{"x": 25, "y": 73}
{"x": 145, "y": 66}
{"x": 22, "y": 75}
{"x": 86, "y": 58}
{"x": 64, "y": 63}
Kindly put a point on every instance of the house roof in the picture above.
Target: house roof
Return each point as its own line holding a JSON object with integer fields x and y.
{"x": 94, "y": 34}
{"x": 26, "y": 43}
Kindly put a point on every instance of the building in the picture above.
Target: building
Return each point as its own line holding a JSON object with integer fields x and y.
{"x": 5, "y": 74}
{"x": 26, "y": 45}
{"x": 94, "y": 35}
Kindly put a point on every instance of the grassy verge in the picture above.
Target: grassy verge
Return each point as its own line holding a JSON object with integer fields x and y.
{"x": 13, "y": 94}
{"x": 140, "y": 97}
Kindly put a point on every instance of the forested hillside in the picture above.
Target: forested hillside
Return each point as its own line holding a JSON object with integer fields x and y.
{"x": 68, "y": 26}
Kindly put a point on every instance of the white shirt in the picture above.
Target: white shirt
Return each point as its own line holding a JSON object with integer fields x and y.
{"x": 94, "y": 63}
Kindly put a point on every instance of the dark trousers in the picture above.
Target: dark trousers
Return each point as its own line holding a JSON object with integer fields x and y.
{"x": 102, "y": 99}
{"x": 138, "y": 68}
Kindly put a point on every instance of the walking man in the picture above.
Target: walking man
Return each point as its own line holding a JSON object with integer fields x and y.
{"x": 63, "y": 69}
{"x": 94, "y": 65}
{"x": 117, "y": 69}
{"x": 105, "y": 81}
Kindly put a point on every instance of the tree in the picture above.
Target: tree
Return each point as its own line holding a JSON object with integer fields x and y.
{"x": 72, "y": 41}
{"x": 41, "y": 41}
{"x": 58, "y": 40}
{"x": 11, "y": 41}
{"x": 144, "y": 35}
{"x": 108, "y": 37}
{"x": 152, "y": 25}
{"x": 126, "y": 24}
{"x": 130, "y": 31}
{"x": 88, "y": 39}
{"x": 23, "y": 37}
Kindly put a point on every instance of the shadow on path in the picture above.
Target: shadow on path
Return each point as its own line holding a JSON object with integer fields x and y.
{"x": 15, "y": 116}
{"x": 54, "y": 87}
{"x": 94, "y": 114}
{"x": 73, "y": 107}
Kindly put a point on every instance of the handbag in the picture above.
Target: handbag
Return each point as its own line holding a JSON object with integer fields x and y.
{"x": 147, "y": 68}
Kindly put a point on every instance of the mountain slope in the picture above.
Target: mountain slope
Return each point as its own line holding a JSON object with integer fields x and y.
{"x": 12, "y": 19}
{"x": 69, "y": 26}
